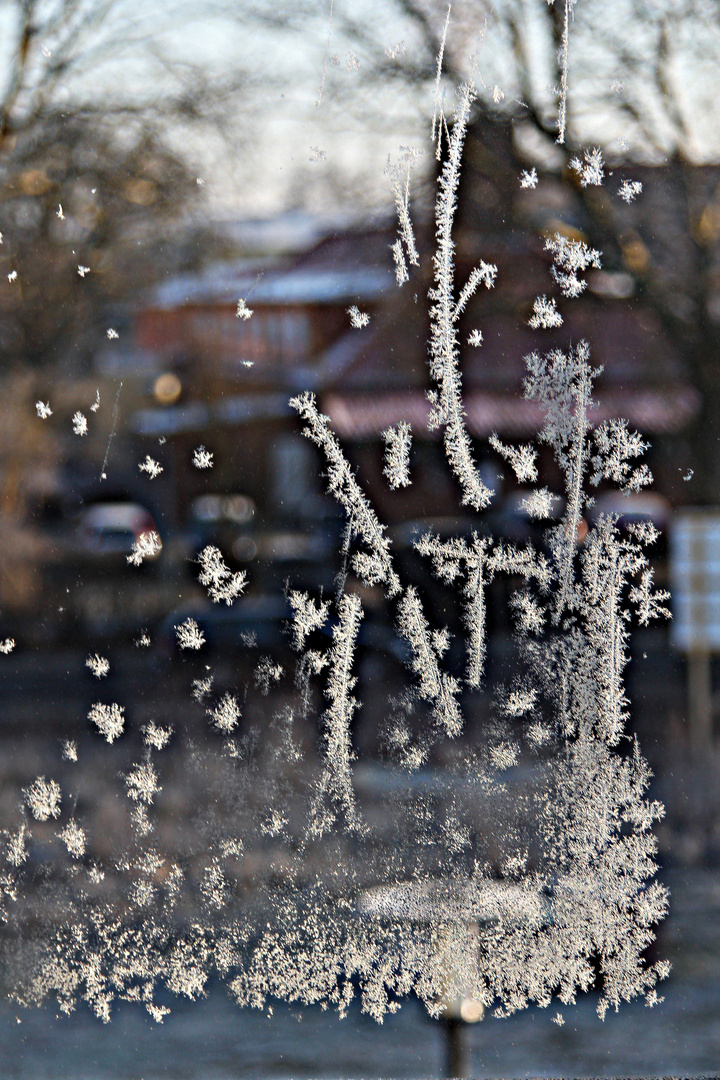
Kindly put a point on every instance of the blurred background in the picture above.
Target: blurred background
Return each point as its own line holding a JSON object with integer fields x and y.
{"x": 159, "y": 165}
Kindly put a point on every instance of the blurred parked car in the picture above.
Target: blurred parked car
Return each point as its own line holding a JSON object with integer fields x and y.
{"x": 112, "y": 529}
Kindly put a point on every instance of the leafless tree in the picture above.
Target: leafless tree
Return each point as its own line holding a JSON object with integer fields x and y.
{"x": 92, "y": 165}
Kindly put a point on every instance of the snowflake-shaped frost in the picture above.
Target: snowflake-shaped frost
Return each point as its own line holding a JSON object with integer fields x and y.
{"x": 151, "y": 467}
{"x": 221, "y": 583}
{"x": 98, "y": 665}
{"x": 189, "y": 635}
{"x": 590, "y": 170}
{"x": 147, "y": 546}
{"x": 629, "y": 190}
{"x": 202, "y": 458}
{"x": 358, "y": 318}
{"x": 43, "y": 798}
{"x": 545, "y": 314}
{"x": 110, "y": 719}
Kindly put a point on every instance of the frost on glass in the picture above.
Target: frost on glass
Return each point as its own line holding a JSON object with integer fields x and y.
{"x": 460, "y": 881}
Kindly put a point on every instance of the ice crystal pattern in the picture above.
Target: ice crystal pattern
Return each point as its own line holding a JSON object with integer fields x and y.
{"x": 147, "y": 546}
{"x": 151, "y": 467}
{"x": 202, "y": 458}
{"x": 220, "y": 582}
{"x": 109, "y": 719}
{"x": 590, "y": 170}
{"x": 305, "y": 888}
{"x": 189, "y": 635}
{"x": 99, "y": 665}
{"x": 80, "y": 424}
{"x": 43, "y": 799}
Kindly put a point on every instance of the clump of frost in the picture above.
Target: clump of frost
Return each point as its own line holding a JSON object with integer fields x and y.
{"x": 16, "y": 850}
{"x": 590, "y": 170}
{"x": 156, "y": 736}
{"x": 7, "y": 645}
{"x": 109, "y": 719}
{"x": 189, "y": 635}
{"x": 150, "y": 466}
{"x": 219, "y": 581}
{"x": 73, "y": 836}
{"x": 69, "y": 750}
{"x": 524, "y": 897}
{"x": 226, "y": 714}
{"x": 147, "y": 546}
{"x": 397, "y": 455}
{"x": 43, "y": 409}
{"x": 545, "y": 314}
{"x": 202, "y": 458}
{"x": 80, "y": 424}
{"x": 99, "y": 665}
{"x": 141, "y": 782}
{"x": 629, "y": 190}
{"x": 43, "y": 798}
{"x": 358, "y": 319}
{"x": 521, "y": 459}
{"x": 570, "y": 257}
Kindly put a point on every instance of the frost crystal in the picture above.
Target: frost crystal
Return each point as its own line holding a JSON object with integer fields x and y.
{"x": 226, "y": 714}
{"x": 43, "y": 798}
{"x": 155, "y": 736}
{"x": 307, "y": 616}
{"x": 401, "y": 271}
{"x": 69, "y": 750}
{"x": 7, "y": 645}
{"x": 267, "y": 673}
{"x": 80, "y": 424}
{"x": 219, "y": 581}
{"x": 539, "y": 504}
{"x": 629, "y": 190}
{"x": 358, "y": 318}
{"x": 243, "y": 311}
{"x": 109, "y": 719}
{"x": 98, "y": 665}
{"x": 151, "y": 467}
{"x": 142, "y": 783}
{"x": 529, "y": 179}
{"x": 43, "y": 410}
{"x": 147, "y": 546}
{"x": 189, "y": 635}
{"x": 397, "y": 455}
{"x": 202, "y": 458}
{"x": 545, "y": 314}
{"x": 521, "y": 459}
{"x": 590, "y": 169}
{"x": 16, "y": 852}
{"x": 74, "y": 839}
{"x": 405, "y": 245}
{"x": 571, "y": 256}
